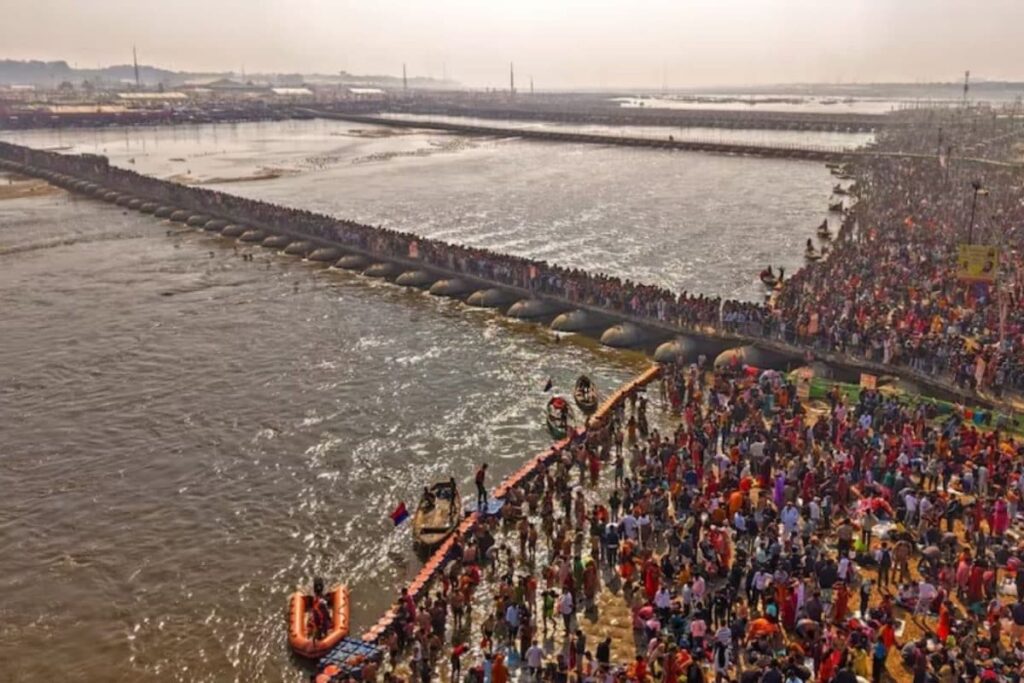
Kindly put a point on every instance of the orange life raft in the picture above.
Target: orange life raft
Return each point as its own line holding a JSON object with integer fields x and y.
{"x": 301, "y": 637}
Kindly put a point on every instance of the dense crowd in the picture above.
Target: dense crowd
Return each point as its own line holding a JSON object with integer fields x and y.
{"x": 890, "y": 291}
{"x": 752, "y": 540}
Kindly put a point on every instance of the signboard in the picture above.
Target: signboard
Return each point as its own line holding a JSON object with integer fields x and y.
{"x": 868, "y": 381}
{"x": 977, "y": 262}
{"x": 803, "y": 383}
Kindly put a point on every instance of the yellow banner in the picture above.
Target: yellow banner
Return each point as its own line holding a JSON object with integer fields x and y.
{"x": 977, "y": 262}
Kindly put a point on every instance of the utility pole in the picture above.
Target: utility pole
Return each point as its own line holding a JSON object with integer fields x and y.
{"x": 967, "y": 85}
{"x": 978, "y": 189}
{"x": 135, "y": 60}
{"x": 511, "y": 80}
{"x": 531, "y": 86}
{"x": 405, "y": 80}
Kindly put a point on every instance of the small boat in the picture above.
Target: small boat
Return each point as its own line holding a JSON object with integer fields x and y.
{"x": 837, "y": 206}
{"x": 585, "y": 394}
{"x": 839, "y": 190}
{"x": 810, "y": 253}
{"x": 557, "y": 417}
{"x": 768, "y": 278}
{"x": 438, "y": 514}
{"x": 301, "y": 636}
{"x": 823, "y": 231}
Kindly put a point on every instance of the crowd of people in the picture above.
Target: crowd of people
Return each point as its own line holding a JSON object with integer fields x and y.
{"x": 888, "y": 292}
{"x": 749, "y": 535}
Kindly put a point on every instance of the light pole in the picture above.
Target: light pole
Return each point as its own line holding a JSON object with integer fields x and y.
{"x": 978, "y": 189}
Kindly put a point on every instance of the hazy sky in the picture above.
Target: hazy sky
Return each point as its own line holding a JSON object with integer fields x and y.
{"x": 562, "y": 43}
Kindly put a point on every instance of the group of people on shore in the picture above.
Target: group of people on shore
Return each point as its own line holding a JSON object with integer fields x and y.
{"x": 891, "y": 291}
{"x": 746, "y": 535}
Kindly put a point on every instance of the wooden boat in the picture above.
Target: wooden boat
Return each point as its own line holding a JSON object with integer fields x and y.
{"x": 839, "y": 190}
{"x": 438, "y": 514}
{"x": 585, "y": 394}
{"x": 768, "y": 279}
{"x": 837, "y": 206}
{"x": 556, "y": 417}
{"x": 824, "y": 233}
{"x": 301, "y": 637}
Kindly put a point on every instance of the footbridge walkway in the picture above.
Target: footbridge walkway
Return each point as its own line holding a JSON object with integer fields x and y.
{"x": 806, "y": 152}
{"x": 344, "y": 244}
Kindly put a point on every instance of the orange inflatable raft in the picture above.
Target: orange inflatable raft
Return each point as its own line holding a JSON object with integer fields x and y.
{"x": 301, "y": 637}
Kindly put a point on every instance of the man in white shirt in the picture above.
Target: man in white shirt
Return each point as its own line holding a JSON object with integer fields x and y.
{"x": 924, "y": 506}
{"x": 815, "y": 513}
{"x": 699, "y": 586}
{"x": 566, "y": 609}
{"x": 629, "y": 526}
{"x": 790, "y": 517}
{"x": 844, "y": 570}
{"x": 910, "y": 501}
{"x": 535, "y": 660}
{"x": 926, "y": 594}
{"x": 663, "y": 601}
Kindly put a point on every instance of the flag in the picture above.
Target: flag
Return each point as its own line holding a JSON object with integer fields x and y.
{"x": 400, "y": 514}
{"x": 547, "y": 387}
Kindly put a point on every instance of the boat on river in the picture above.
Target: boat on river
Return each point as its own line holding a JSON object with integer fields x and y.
{"x": 557, "y": 417}
{"x": 585, "y": 394}
{"x": 823, "y": 231}
{"x": 437, "y": 516}
{"x": 836, "y": 206}
{"x": 302, "y": 636}
{"x": 812, "y": 254}
{"x": 768, "y": 278}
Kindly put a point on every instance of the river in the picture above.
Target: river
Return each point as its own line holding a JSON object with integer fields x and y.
{"x": 685, "y": 220}
{"x": 188, "y": 436}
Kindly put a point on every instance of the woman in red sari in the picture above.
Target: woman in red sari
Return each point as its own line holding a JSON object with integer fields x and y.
{"x": 842, "y": 603}
{"x": 942, "y": 630}
{"x": 651, "y": 579}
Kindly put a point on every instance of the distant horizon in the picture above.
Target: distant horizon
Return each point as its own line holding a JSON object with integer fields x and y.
{"x": 975, "y": 81}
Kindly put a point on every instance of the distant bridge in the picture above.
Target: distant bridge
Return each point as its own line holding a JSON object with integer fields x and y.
{"x": 807, "y": 152}
{"x": 585, "y": 112}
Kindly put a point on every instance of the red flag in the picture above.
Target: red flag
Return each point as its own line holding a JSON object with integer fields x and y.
{"x": 399, "y": 514}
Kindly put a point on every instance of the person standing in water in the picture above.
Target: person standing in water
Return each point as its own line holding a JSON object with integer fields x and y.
{"x": 481, "y": 488}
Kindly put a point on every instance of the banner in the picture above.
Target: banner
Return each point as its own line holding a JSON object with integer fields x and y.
{"x": 868, "y": 381}
{"x": 977, "y": 262}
